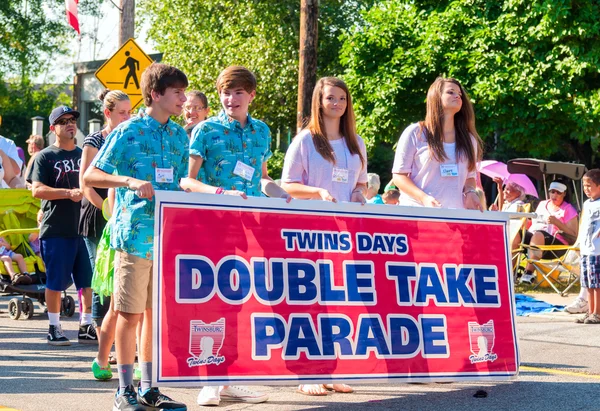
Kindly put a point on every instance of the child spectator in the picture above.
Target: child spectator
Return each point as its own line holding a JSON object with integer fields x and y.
{"x": 372, "y": 194}
{"x": 391, "y": 197}
{"x": 225, "y": 138}
{"x": 7, "y": 256}
{"x": 34, "y": 238}
{"x": 589, "y": 246}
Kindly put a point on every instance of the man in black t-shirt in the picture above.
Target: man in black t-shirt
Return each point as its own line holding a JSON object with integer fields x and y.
{"x": 54, "y": 177}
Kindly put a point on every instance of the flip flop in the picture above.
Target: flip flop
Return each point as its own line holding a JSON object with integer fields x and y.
{"x": 301, "y": 390}
{"x": 346, "y": 389}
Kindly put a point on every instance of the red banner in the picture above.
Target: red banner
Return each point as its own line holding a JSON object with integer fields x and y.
{"x": 259, "y": 291}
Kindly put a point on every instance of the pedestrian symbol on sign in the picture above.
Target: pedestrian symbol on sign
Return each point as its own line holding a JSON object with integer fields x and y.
{"x": 133, "y": 65}
{"x": 123, "y": 71}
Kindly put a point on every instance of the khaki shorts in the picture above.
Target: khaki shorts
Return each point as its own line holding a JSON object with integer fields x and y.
{"x": 132, "y": 283}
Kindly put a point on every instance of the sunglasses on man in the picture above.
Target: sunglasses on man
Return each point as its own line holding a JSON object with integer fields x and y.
{"x": 65, "y": 121}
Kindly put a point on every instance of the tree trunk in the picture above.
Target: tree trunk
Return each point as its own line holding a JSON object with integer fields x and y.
{"x": 307, "y": 72}
{"x": 127, "y": 22}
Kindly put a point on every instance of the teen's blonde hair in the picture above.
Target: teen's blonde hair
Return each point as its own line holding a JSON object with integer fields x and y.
{"x": 347, "y": 121}
{"x": 110, "y": 98}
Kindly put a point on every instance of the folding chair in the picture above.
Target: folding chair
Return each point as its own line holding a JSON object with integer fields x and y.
{"x": 516, "y": 227}
{"x": 559, "y": 272}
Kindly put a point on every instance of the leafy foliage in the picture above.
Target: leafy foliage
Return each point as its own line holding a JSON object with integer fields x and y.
{"x": 204, "y": 37}
{"x": 33, "y": 34}
{"x": 531, "y": 67}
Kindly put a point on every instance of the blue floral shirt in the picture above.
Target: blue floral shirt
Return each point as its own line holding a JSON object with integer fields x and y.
{"x": 222, "y": 142}
{"x": 135, "y": 149}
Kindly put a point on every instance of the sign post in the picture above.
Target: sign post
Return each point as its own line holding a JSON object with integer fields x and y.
{"x": 123, "y": 71}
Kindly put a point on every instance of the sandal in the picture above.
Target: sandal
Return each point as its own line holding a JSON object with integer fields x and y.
{"x": 339, "y": 388}
{"x": 112, "y": 359}
{"x": 313, "y": 390}
{"x": 21, "y": 279}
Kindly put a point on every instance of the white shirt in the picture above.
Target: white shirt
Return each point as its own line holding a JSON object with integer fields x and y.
{"x": 10, "y": 149}
{"x": 414, "y": 157}
{"x": 590, "y": 228}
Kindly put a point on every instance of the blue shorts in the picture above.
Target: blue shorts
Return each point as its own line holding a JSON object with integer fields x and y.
{"x": 590, "y": 271}
{"x": 66, "y": 261}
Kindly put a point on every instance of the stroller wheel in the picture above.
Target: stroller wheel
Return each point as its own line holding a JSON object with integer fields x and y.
{"x": 14, "y": 309}
{"x": 27, "y": 308}
{"x": 68, "y": 306}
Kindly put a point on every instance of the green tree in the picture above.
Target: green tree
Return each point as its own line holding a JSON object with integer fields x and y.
{"x": 202, "y": 38}
{"x": 531, "y": 68}
{"x": 32, "y": 34}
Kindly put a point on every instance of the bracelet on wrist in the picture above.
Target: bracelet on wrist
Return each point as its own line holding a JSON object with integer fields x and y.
{"x": 220, "y": 190}
{"x": 472, "y": 190}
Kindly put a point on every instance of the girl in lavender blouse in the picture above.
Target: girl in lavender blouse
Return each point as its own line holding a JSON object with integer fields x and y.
{"x": 327, "y": 160}
{"x": 435, "y": 163}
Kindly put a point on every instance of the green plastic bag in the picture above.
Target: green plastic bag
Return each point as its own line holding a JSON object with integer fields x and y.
{"x": 102, "y": 281}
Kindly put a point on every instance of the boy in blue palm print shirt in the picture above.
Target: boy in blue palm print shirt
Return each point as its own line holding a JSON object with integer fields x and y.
{"x": 232, "y": 148}
{"x": 141, "y": 155}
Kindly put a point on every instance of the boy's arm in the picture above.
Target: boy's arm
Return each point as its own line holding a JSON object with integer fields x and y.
{"x": 97, "y": 178}
{"x": 269, "y": 187}
{"x": 191, "y": 184}
{"x": 4, "y": 243}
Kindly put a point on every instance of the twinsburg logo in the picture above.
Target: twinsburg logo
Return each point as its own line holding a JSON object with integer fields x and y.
{"x": 481, "y": 340}
{"x": 206, "y": 340}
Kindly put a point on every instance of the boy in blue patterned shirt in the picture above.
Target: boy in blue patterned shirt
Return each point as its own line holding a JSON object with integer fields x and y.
{"x": 232, "y": 149}
{"x": 144, "y": 154}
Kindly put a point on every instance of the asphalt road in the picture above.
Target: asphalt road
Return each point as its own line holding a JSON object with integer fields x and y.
{"x": 560, "y": 361}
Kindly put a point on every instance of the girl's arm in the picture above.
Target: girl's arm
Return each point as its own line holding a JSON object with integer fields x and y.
{"x": 299, "y": 190}
{"x": 89, "y": 152}
{"x": 269, "y": 187}
{"x": 407, "y": 186}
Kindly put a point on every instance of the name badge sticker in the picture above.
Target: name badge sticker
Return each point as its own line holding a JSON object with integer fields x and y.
{"x": 243, "y": 170}
{"x": 449, "y": 170}
{"x": 164, "y": 175}
{"x": 340, "y": 175}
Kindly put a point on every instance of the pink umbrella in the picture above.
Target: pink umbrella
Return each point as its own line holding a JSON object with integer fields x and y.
{"x": 493, "y": 169}
{"x": 523, "y": 181}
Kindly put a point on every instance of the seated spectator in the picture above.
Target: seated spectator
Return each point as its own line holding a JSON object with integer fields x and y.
{"x": 34, "y": 238}
{"x": 556, "y": 224}
{"x": 391, "y": 197}
{"x": 7, "y": 256}
{"x": 513, "y": 196}
{"x": 373, "y": 184}
{"x": 11, "y": 163}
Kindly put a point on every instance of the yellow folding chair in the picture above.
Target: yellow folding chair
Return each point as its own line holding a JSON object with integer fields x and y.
{"x": 560, "y": 273}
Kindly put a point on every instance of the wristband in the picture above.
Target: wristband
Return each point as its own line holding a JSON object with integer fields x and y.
{"x": 220, "y": 190}
{"x": 472, "y": 190}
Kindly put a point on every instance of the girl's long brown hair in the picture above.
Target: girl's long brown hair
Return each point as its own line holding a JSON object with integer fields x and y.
{"x": 464, "y": 124}
{"x": 347, "y": 121}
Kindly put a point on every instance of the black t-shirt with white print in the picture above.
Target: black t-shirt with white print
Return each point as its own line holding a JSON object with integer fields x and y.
{"x": 58, "y": 168}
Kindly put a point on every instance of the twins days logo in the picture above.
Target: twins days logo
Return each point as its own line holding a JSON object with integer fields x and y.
{"x": 481, "y": 341}
{"x": 206, "y": 340}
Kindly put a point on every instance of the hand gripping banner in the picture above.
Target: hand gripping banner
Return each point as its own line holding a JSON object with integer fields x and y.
{"x": 258, "y": 291}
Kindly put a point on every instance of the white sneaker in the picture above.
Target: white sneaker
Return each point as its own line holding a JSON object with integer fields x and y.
{"x": 528, "y": 278}
{"x": 578, "y": 306}
{"x": 243, "y": 394}
{"x": 209, "y": 396}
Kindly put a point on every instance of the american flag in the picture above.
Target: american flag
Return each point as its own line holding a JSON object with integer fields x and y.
{"x": 72, "y": 14}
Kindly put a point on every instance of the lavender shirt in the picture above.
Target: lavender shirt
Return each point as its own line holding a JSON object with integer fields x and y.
{"x": 413, "y": 157}
{"x": 303, "y": 164}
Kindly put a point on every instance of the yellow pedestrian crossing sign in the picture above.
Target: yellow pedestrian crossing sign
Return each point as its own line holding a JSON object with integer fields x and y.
{"x": 123, "y": 71}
